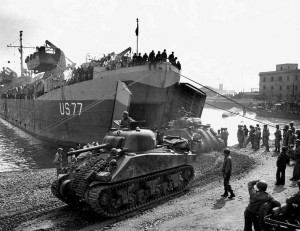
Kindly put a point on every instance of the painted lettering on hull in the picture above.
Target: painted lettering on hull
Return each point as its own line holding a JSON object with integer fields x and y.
{"x": 70, "y": 108}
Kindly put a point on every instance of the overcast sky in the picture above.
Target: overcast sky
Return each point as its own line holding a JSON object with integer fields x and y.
{"x": 216, "y": 41}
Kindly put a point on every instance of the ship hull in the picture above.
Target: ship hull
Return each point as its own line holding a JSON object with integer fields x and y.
{"x": 84, "y": 112}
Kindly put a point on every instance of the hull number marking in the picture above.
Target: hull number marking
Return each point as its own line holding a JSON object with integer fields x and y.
{"x": 70, "y": 108}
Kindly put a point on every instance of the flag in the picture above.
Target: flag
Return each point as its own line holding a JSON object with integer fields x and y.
{"x": 137, "y": 28}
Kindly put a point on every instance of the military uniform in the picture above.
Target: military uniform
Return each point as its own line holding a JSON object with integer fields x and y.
{"x": 282, "y": 160}
{"x": 58, "y": 161}
{"x": 226, "y": 170}
{"x": 265, "y": 136}
{"x": 296, "y": 171}
{"x": 278, "y": 138}
{"x": 257, "y": 198}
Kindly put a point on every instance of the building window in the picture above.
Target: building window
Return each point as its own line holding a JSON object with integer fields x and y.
{"x": 280, "y": 88}
{"x": 296, "y": 77}
{"x": 280, "y": 78}
{"x": 288, "y": 87}
{"x": 288, "y": 78}
{"x": 272, "y": 78}
{"x": 271, "y": 87}
{"x": 264, "y": 87}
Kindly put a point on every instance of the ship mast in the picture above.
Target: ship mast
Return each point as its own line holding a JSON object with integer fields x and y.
{"x": 21, "y": 51}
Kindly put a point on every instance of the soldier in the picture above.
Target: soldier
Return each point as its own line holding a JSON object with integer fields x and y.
{"x": 134, "y": 59}
{"x": 298, "y": 134}
{"x": 251, "y": 137}
{"x": 58, "y": 161}
{"x": 292, "y": 201}
{"x": 292, "y": 126}
{"x": 257, "y": 198}
{"x": 296, "y": 171}
{"x": 125, "y": 122}
{"x": 292, "y": 138}
{"x": 158, "y": 57}
{"x": 266, "y": 135}
{"x": 226, "y": 170}
{"x": 282, "y": 160}
{"x": 225, "y": 135}
{"x": 178, "y": 65}
{"x": 240, "y": 136}
{"x": 278, "y": 138}
{"x": 164, "y": 56}
{"x": 285, "y": 136}
{"x": 256, "y": 141}
{"x": 145, "y": 57}
{"x": 152, "y": 56}
{"x": 171, "y": 57}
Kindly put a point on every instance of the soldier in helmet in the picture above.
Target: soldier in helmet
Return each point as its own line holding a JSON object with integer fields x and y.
{"x": 58, "y": 161}
{"x": 125, "y": 122}
{"x": 257, "y": 198}
{"x": 226, "y": 170}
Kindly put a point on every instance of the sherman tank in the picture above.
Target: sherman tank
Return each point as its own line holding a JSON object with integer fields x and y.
{"x": 190, "y": 128}
{"x": 128, "y": 171}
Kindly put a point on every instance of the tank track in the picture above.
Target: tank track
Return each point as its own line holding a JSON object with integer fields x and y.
{"x": 102, "y": 190}
{"x": 79, "y": 185}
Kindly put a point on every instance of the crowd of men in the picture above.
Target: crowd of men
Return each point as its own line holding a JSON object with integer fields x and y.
{"x": 153, "y": 58}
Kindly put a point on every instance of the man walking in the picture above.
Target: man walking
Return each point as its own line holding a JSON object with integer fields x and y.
{"x": 240, "y": 136}
{"x": 226, "y": 170}
{"x": 257, "y": 198}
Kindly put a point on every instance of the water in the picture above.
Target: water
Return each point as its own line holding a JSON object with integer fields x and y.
{"x": 214, "y": 118}
{"x": 20, "y": 151}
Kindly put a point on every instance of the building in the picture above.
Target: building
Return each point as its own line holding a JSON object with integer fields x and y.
{"x": 282, "y": 84}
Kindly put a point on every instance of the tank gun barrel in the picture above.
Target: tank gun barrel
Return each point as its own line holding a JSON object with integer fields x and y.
{"x": 87, "y": 149}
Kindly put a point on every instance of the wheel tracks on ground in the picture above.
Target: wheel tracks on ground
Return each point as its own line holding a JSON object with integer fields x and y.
{"x": 10, "y": 222}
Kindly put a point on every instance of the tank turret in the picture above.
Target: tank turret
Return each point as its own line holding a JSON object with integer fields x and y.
{"x": 128, "y": 171}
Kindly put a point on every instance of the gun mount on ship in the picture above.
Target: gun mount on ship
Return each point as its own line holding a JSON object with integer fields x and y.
{"x": 127, "y": 172}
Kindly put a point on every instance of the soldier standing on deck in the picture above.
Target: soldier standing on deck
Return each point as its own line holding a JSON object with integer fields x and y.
{"x": 282, "y": 160}
{"x": 266, "y": 135}
{"x": 226, "y": 170}
{"x": 278, "y": 138}
{"x": 58, "y": 161}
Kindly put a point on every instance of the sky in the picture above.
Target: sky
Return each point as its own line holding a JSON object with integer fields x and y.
{"x": 216, "y": 41}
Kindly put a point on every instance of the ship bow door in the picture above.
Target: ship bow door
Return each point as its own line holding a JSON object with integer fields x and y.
{"x": 121, "y": 103}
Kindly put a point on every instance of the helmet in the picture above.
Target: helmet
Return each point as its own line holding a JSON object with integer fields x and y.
{"x": 284, "y": 148}
{"x": 226, "y": 151}
{"x": 262, "y": 185}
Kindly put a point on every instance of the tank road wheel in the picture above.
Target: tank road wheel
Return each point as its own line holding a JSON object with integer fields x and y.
{"x": 102, "y": 201}
{"x": 187, "y": 174}
{"x": 132, "y": 200}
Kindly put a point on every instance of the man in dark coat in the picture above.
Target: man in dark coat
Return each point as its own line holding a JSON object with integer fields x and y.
{"x": 282, "y": 160}
{"x": 226, "y": 170}
{"x": 278, "y": 138}
{"x": 257, "y": 198}
{"x": 296, "y": 171}
{"x": 171, "y": 57}
{"x": 164, "y": 56}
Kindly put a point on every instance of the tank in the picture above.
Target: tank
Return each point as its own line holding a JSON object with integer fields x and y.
{"x": 190, "y": 128}
{"x": 128, "y": 171}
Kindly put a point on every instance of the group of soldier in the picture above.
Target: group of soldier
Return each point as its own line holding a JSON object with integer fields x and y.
{"x": 152, "y": 58}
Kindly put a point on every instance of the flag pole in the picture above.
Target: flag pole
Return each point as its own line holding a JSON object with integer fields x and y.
{"x": 137, "y": 36}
